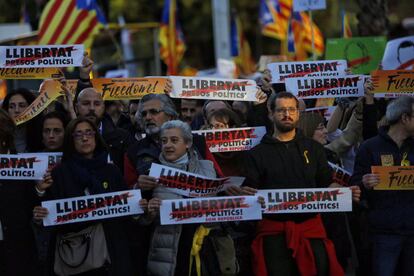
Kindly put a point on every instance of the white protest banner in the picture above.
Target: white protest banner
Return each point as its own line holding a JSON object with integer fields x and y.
{"x": 191, "y": 184}
{"x": 232, "y": 139}
{"x": 53, "y": 158}
{"x": 326, "y": 87}
{"x": 92, "y": 207}
{"x": 340, "y": 175}
{"x": 41, "y": 56}
{"x": 307, "y": 200}
{"x": 213, "y": 89}
{"x": 325, "y": 111}
{"x": 399, "y": 54}
{"x": 307, "y": 5}
{"x": 295, "y": 69}
{"x": 118, "y": 73}
{"x": 25, "y": 166}
{"x": 212, "y": 209}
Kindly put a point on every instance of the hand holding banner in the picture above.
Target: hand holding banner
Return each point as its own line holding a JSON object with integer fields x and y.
{"x": 307, "y": 200}
{"x": 212, "y": 209}
{"x": 394, "y": 177}
{"x": 191, "y": 184}
{"x": 213, "y": 89}
{"x": 92, "y": 207}
{"x": 232, "y": 139}
{"x": 41, "y": 56}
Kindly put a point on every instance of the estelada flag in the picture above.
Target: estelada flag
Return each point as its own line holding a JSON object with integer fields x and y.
{"x": 274, "y": 17}
{"x": 240, "y": 48}
{"x": 70, "y": 22}
{"x": 302, "y": 26}
{"x": 172, "y": 45}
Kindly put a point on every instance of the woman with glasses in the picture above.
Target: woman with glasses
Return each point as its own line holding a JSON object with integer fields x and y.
{"x": 85, "y": 170}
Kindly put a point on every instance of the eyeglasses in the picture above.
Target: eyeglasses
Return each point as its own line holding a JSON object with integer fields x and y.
{"x": 78, "y": 135}
{"x": 151, "y": 111}
{"x": 290, "y": 110}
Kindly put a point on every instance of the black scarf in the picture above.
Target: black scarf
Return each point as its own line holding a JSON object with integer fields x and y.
{"x": 86, "y": 171}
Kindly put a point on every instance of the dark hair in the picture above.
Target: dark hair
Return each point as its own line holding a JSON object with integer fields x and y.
{"x": 25, "y": 93}
{"x": 309, "y": 122}
{"x": 68, "y": 144}
{"x": 404, "y": 44}
{"x": 7, "y": 131}
{"x": 210, "y": 101}
{"x": 56, "y": 115}
{"x": 281, "y": 95}
{"x": 225, "y": 115}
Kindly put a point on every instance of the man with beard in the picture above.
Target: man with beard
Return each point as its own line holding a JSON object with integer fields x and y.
{"x": 89, "y": 104}
{"x": 188, "y": 111}
{"x": 289, "y": 244}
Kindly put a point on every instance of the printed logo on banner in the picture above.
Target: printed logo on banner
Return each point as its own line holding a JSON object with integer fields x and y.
{"x": 25, "y": 166}
{"x": 190, "y": 184}
{"x": 213, "y": 89}
{"x": 93, "y": 207}
{"x": 392, "y": 83}
{"x": 394, "y": 177}
{"x": 41, "y": 56}
{"x": 213, "y": 209}
{"x": 128, "y": 88}
{"x": 399, "y": 54}
{"x": 30, "y": 73}
{"x": 326, "y": 87}
{"x": 234, "y": 139}
{"x": 363, "y": 54}
{"x": 324, "y": 68}
{"x": 307, "y": 200}
{"x": 340, "y": 175}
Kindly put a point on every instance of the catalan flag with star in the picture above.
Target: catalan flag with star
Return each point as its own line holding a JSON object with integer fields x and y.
{"x": 70, "y": 22}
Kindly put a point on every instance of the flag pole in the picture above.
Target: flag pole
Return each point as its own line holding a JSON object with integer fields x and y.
{"x": 313, "y": 36}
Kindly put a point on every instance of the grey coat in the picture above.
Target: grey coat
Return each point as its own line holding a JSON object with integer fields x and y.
{"x": 162, "y": 256}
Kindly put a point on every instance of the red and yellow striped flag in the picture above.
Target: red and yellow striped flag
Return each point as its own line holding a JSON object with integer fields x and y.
{"x": 171, "y": 39}
{"x": 70, "y": 22}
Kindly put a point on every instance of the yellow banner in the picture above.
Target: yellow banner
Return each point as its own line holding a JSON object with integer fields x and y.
{"x": 393, "y": 81}
{"x": 50, "y": 90}
{"x": 128, "y": 88}
{"x": 30, "y": 73}
{"x": 394, "y": 177}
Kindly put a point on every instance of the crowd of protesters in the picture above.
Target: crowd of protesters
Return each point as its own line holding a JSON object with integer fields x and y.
{"x": 110, "y": 146}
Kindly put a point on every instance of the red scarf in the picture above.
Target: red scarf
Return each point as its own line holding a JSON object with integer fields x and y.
{"x": 297, "y": 239}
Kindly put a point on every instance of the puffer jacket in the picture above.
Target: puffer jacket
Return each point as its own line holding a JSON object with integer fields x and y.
{"x": 164, "y": 246}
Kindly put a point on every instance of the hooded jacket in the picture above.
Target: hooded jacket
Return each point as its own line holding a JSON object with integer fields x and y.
{"x": 389, "y": 211}
{"x": 299, "y": 163}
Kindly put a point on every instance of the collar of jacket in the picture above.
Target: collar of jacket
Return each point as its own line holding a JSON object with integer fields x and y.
{"x": 269, "y": 139}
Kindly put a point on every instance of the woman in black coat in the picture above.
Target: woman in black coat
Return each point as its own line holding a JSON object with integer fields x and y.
{"x": 85, "y": 170}
{"x": 17, "y": 198}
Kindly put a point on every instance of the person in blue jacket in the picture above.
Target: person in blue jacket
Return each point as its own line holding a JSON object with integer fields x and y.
{"x": 390, "y": 213}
